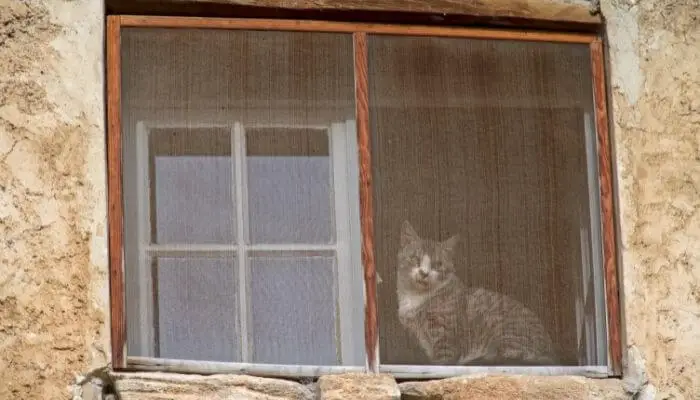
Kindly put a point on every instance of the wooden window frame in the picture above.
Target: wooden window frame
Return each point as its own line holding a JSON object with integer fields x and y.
{"x": 359, "y": 31}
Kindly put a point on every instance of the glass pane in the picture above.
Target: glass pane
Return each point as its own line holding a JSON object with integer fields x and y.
{"x": 293, "y": 310}
{"x": 483, "y": 219}
{"x": 197, "y": 308}
{"x": 191, "y": 180}
{"x": 289, "y": 185}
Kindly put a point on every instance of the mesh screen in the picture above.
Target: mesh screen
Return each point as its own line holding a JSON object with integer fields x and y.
{"x": 486, "y": 140}
{"x": 234, "y": 164}
{"x": 241, "y": 210}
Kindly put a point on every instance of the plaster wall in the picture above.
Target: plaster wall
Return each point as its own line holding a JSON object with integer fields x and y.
{"x": 654, "y": 74}
{"x": 53, "y": 242}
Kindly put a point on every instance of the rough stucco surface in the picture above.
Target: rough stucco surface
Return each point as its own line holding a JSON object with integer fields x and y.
{"x": 53, "y": 260}
{"x": 52, "y": 196}
{"x": 655, "y": 79}
{"x": 365, "y": 386}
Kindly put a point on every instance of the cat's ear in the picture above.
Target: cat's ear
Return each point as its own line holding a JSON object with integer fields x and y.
{"x": 408, "y": 234}
{"x": 451, "y": 244}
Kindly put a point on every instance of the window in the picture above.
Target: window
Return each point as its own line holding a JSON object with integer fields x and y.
{"x": 265, "y": 197}
{"x": 295, "y": 198}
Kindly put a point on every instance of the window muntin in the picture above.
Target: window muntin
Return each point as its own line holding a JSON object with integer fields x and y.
{"x": 282, "y": 115}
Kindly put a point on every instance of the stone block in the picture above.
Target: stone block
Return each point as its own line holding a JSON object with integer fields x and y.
{"x": 157, "y": 386}
{"x": 478, "y": 387}
{"x": 358, "y": 387}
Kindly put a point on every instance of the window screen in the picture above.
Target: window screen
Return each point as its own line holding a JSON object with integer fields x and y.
{"x": 240, "y": 196}
{"x": 241, "y": 202}
{"x": 488, "y": 143}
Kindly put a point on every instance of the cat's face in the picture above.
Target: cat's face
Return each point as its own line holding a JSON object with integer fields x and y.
{"x": 424, "y": 264}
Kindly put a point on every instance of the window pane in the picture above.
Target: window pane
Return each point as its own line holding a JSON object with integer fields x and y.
{"x": 485, "y": 140}
{"x": 293, "y": 309}
{"x": 191, "y": 183}
{"x": 289, "y": 186}
{"x": 226, "y": 174}
{"x": 197, "y": 308}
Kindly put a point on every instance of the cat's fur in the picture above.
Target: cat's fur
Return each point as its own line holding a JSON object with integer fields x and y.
{"x": 458, "y": 325}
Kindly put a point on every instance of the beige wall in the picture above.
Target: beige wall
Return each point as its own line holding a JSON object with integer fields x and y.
{"x": 53, "y": 243}
{"x": 655, "y": 79}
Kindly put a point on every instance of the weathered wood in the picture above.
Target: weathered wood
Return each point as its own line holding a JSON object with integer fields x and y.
{"x": 445, "y": 371}
{"x": 398, "y": 371}
{"x": 612, "y": 294}
{"x": 345, "y": 27}
{"x": 216, "y": 367}
{"x": 114, "y": 194}
{"x": 366, "y": 209}
{"x": 534, "y": 9}
{"x": 509, "y": 12}
{"x": 362, "y": 117}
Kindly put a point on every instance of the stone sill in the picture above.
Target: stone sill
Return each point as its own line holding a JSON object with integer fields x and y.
{"x": 160, "y": 386}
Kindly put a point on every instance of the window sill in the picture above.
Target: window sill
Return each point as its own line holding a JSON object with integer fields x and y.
{"x": 397, "y": 371}
{"x": 156, "y": 385}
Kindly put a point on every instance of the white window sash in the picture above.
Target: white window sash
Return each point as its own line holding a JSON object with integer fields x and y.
{"x": 596, "y": 324}
{"x": 348, "y": 271}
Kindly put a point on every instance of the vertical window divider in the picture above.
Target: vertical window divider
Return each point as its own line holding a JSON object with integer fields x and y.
{"x": 149, "y": 335}
{"x": 355, "y": 249}
{"x": 238, "y": 159}
{"x": 366, "y": 211}
{"x": 607, "y": 208}
{"x": 343, "y": 273}
{"x": 598, "y": 334}
{"x": 115, "y": 210}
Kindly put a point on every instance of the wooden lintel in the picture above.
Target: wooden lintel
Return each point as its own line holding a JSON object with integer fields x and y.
{"x": 533, "y": 13}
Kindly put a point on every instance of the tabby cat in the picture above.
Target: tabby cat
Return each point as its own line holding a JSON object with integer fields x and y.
{"x": 459, "y": 325}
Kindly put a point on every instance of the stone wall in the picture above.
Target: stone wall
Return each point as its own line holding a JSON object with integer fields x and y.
{"x": 156, "y": 386}
{"x": 53, "y": 244}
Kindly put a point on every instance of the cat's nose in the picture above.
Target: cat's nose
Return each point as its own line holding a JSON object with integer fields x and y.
{"x": 422, "y": 273}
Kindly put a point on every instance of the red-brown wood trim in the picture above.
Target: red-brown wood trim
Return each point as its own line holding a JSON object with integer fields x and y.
{"x": 612, "y": 294}
{"x": 348, "y": 27}
{"x": 366, "y": 210}
{"x": 114, "y": 194}
{"x": 359, "y": 31}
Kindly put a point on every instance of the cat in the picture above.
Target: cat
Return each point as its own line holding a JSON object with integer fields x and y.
{"x": 459, "y": 325}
